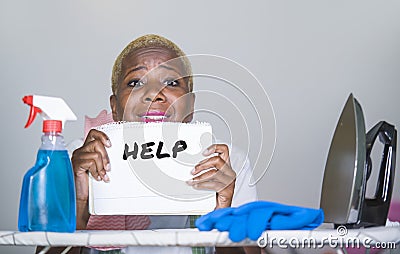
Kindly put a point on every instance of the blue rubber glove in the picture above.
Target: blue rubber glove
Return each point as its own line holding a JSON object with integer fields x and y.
{"x": 251, "y": 219}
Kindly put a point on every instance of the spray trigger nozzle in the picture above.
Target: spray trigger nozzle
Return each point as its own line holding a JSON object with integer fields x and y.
{"x": 33, "y": 111}
{"x": 50, "y": 108}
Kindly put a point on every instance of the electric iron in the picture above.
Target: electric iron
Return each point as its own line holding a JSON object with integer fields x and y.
{"x": 348, "y": 168}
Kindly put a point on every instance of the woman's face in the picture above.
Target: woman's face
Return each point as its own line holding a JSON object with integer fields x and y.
{"x": 152, "y": 89}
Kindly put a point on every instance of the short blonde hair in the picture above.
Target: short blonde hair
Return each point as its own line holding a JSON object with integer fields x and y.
{"x": 145, "y": 41}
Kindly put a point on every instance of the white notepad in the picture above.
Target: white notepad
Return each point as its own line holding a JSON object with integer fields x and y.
{"x": 150, "y": 163}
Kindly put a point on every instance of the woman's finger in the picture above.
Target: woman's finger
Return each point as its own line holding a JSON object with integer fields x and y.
{"x": 221, "y": 149}
{"x": 97, "y": 135}
{"x": 212, "y": 162}
{"x": 98, "y": 147}
{"x": 213, "y": 186}
{"x": 93, "y": 163}
{"x": 214, "y": 176}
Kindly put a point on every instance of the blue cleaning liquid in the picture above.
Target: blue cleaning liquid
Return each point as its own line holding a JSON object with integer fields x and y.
{"x": 48, "y": 194}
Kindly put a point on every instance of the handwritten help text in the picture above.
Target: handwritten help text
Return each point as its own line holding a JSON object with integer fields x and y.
{"x": 147, "y": 152}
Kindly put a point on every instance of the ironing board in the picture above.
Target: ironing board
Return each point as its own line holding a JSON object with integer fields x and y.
{"x": 191, "y": 237}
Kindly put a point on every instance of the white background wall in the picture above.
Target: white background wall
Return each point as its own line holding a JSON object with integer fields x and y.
{"x": 309, "y": 55}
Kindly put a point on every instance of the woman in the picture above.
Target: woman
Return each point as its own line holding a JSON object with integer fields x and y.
{"x": 152, "y": 81}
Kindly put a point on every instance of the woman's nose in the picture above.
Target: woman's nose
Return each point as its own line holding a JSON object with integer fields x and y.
{"x": 154, "y": 93}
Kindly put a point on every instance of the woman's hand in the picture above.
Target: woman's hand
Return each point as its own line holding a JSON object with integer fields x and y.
{"x": 91, "y": 157}
{"x": 221, "y": 178}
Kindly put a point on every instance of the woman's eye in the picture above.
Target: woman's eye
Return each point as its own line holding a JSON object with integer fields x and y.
{"x": 171, "y": 82}
{"x": 136, "y": 83}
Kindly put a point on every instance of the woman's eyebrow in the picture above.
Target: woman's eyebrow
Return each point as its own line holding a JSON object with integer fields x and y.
{"x": 145, "y": 68}
{"x": 135, "y": 69}
{"x": 169, "y": 68}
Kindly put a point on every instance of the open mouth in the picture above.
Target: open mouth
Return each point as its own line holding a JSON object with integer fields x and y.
{"x": 154, "y": 116}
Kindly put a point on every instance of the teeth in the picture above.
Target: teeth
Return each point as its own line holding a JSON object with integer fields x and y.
{"x": 155, "y": 117}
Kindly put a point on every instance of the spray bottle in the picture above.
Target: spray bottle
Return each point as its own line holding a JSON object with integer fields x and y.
{"x": 48, "y": 191}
